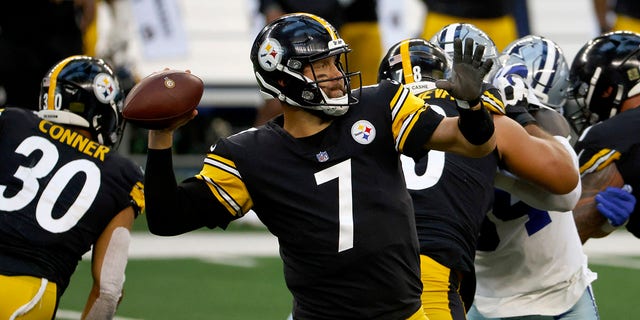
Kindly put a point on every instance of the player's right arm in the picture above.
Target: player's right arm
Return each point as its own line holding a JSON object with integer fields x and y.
{"x": 173, "y": 209}
{"x": 108, "y": 263}
{"x": 536, "y": 156}
{"x": 589, "y": 221}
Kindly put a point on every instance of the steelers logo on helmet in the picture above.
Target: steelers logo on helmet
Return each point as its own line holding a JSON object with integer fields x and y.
{"x": 104, "y": 87}
{"x": 363, "y": 132}
{"x": 270, "y": 54}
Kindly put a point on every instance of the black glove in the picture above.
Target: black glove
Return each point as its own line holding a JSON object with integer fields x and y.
{"x": 468, "y": 73}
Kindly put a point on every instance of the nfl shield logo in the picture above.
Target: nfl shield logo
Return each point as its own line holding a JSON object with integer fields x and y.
{"x": 322, "y": 156}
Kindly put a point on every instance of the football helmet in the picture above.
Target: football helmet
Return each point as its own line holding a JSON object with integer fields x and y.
{"x": 285, "y": 47}
{"x": 444, "y": 39}
{"x": 548, "y": 71}
{"x": 414, "y": 60}
{"x": 83, "y": 91}
{"x": 604, "y": 73}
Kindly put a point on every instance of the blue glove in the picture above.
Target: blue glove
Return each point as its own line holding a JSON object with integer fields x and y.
{"x": 616, "y": 204}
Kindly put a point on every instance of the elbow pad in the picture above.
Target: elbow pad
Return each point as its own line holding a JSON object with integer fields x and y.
{"x": 475, "y": 125}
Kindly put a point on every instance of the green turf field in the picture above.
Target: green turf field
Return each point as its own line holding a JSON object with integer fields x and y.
{"x": 253, "y": 288}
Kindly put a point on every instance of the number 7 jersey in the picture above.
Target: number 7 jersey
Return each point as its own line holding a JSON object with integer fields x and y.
{"x": 58, "y": 191}
{"x": 337, "y": 202}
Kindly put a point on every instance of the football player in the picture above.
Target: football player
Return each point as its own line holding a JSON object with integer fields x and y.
{"x": 451, "y": 193}
{"x": 605, "y": 84}
{"x": 325, "y": 177}
{"x": 529, "y": 259}
{"x": 64, "y": 190}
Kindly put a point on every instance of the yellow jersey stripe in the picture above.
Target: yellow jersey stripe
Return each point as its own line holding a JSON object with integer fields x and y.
{"x": 407, "y": 125}
{"x": 137, "y": 195}
{"x": 398, "y": 101}
{"x": 492, "y": 103}
{"x": 600, "y": 160}
{"x": 226, "y": 184}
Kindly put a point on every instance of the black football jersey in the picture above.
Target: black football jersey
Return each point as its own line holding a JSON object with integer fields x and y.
{"x": 615, "y": 141}
{"x": 58, "y": 191}
{"x": 451, "y": 193}
{"x": 337, "y": 203}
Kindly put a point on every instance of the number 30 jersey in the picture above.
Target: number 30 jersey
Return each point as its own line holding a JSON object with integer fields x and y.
{"x": 58, "y": 191}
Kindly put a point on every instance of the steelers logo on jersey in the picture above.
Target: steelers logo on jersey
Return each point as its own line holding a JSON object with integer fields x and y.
{"x": 104, "y": 87}
{"x": 270, "y": 54}
{"x": 363, "y": 132}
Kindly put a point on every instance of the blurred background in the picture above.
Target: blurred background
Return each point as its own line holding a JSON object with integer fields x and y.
{"x": 204, "y": 275}
{"x": 213, "y": 40}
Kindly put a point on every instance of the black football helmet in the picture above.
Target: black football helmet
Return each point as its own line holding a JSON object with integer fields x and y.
{"x": 414, "y": 60}
{"x": 285, "y": 46}
{"x": 604, "y": 73}
{"x": 83, "y": 91}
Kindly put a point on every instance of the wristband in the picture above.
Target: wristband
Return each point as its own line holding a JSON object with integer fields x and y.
{"x": 475, "y": 125}
{"x": 464, "y": 104}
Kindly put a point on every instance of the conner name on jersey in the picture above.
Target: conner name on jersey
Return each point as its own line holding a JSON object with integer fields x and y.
{"x": 74, "y": 139}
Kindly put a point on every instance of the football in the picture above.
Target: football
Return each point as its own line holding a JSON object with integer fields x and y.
{"x": 161, "y": 98}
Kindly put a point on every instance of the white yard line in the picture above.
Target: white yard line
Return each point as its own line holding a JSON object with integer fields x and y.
{"x": 221, "y": 245}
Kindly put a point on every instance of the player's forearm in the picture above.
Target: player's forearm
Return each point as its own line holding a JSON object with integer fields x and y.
{"x": 588, "y": 220}
{"x": 160, "y": 139}
{"x": 560, "y": 161}
{"x": 160, "y": 191}
{"x": 537, "y": 196}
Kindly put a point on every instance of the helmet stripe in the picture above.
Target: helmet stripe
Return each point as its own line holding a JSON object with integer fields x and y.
{"x": 324, "y": 23}
{"x": 53, "y": 79}
{"x": 407, "y": 70}
{"x": 546, "y": 63}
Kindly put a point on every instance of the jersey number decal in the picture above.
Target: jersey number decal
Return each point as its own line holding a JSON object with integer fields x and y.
{"x": 435, "y": 166}
{"x": 53, "y": 190}
{"x": 342, "y": 172}
{"x": 505, "y": 211}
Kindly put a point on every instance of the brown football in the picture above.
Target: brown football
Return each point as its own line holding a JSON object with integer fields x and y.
{"x": 161, "y": 98}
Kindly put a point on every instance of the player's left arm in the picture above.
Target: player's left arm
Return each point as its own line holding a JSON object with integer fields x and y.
{"x": 590, "y": 222}
{"x": 108, "y": 263}
{"x": 536, "y": 195}
{"x": 472, "y": 132}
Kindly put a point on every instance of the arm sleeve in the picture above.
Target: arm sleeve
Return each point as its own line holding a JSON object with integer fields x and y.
{"x": 535, "y": 195}
{"x": 173, "y": 209}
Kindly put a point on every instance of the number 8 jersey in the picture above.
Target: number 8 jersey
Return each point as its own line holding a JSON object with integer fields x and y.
{"x": 58, "y": 192}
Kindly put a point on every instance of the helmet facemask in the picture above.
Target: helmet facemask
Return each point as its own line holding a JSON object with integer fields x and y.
{"x": 548, "y": 71}
{"x": 605, "y": 73}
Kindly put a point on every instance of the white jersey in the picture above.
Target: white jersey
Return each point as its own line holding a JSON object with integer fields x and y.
{"x": 529, "y": 261}
{"x": 539, "y": 267}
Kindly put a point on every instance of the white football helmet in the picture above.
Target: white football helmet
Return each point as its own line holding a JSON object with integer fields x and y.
{"x": 548, "y": 71}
